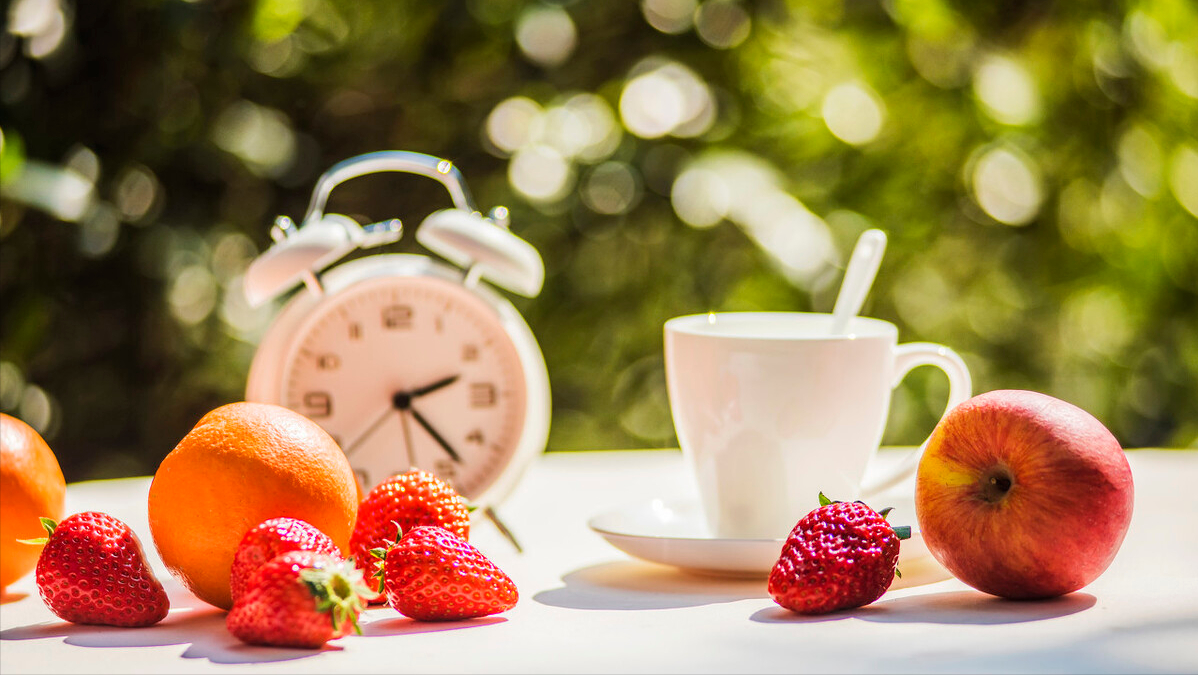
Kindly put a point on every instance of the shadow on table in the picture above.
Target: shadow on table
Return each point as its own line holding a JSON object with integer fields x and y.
{"x": 953, "y": 607}
{"x": 7, "y": 596}
{"x": 631, "y": 585}
{"x": 402, "y": 625}
{"x": 190, "y": 622}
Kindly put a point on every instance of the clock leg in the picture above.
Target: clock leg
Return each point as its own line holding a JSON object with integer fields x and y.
{"x": 490, "y": 513}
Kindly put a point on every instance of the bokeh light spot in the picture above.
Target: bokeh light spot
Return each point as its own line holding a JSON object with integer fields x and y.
{"x": 722, "y": 24}
{"x": 232, "y": 254}
{"x": 853, "y": 113}
{"x": 540, "y": 173}
{"x": 261, "y": 137}
{"x": 1007, "y": 186}
{"x": 1184, "y": 68}
{"x": 37, "y": 409}
{"x": 546, "y": 35}
{"x": 12, "y": 385}
{"x": 99, "y": 231}
{"x": 42, "y": 23}
{"x": 666, "y": 99}
{"x": 651, "y": 105}
{"x": 611, "y": 188}
{"x": 513, "y": 123}
{"x": 746, "y": 190}
{"x": 1006, "y": 90}
{"x": 136, "y": 191}
{"x": 603, "y": 133}
{"x": 700, "y": 197}
{"x": 1140, "y": 160}
{"x": 1095, "y": 322}
{"x": 1183, "y": 177}
{"x": 192, "y": 294}
{"x": 670, "y": 16}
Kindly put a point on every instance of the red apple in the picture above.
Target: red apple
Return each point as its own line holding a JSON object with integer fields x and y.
{"x": 1023, "y": 495}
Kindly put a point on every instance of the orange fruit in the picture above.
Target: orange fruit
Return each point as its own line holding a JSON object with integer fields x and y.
{"x": 244, "y": 463}
{"x": 31, "y": 486}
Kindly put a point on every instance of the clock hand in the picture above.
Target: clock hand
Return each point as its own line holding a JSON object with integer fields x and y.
{"x": 430, "y": 388}
{"x": 453, "y": 454}
{"x": 370, "y": 429}
{"x": 407, "y": 438}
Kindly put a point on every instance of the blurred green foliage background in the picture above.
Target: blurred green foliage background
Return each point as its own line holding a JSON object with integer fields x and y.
{"x": 1034, "y": 163}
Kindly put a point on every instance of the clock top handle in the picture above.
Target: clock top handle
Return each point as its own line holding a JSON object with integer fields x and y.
{"x": 441, "y": 170}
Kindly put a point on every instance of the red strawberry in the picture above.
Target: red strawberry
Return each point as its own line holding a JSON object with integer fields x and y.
{"x": 841, "y": 555}
{"x": 299, "y": 599}
{"x": 434, "y": 575}
{"x": 93, "y": 570}
{"x": 398, "y": 504}
{"x": 271, "y": 539}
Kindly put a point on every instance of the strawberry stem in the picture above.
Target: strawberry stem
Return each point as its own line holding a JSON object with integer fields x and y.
{"x": 339, "y": 590}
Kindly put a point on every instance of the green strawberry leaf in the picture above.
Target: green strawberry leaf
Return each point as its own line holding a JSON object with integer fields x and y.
{"x": 338, "y": 590}
{"x": 398, "y": 530}
{"x": 823, "y": 500}
{"x": 898, "y": 573}
{"x": 885, "y": 512}
{"x": 902, "y": 531}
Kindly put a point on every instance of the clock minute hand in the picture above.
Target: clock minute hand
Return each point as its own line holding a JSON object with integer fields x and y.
{"x": 430, "y": 388}
{"x": 453, "y": 454}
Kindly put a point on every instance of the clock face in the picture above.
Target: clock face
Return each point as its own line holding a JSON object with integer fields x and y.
{"x": 410, "y": 371}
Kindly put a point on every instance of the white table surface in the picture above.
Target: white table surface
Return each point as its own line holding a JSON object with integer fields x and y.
{"x": 586, "y": 607}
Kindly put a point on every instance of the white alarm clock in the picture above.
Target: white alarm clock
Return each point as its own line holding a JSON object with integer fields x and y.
{"x": 405, "y": 360}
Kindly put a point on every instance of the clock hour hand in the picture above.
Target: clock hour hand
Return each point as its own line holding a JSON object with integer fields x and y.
{"x": 430, "y": 388}
{"x": 453, "y": 454}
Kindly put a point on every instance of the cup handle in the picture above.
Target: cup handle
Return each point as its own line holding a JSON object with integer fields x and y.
{"x": 960, "y": 386}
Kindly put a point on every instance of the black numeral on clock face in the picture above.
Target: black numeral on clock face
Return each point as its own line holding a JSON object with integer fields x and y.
{"x": 328, "y": 362}
{"x": 482, "y": 395}
{"x": 397, "y": 316}
{"x": 446, "y": 469}
{"x": 318, "y": 404}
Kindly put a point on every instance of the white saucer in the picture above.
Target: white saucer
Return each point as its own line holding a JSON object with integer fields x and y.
{"x": 672, "y": 532}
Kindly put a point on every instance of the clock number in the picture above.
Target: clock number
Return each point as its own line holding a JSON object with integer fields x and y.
{"x": 476, "y": 436}
{"x": 364, "y": 476}
{"x": 328, "y": 362}
{"x": 482, "y": 395}
{"x": 355, "y": 331}
{"x": 318, "y": 404}
{"x": 445, "y": 468}
{"x": 397, "y": 316}
{"x": 469, "y": 352}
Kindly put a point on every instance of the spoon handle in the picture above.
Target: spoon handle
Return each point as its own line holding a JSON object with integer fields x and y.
{"x": 858, "y": 278}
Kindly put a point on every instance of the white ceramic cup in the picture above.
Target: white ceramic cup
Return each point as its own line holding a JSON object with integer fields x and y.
{"x": 771, "y": 409}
